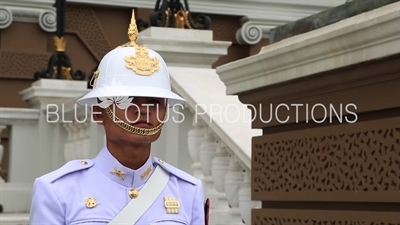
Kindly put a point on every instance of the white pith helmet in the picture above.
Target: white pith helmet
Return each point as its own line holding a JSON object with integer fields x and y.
{"x": 131, "y": 70}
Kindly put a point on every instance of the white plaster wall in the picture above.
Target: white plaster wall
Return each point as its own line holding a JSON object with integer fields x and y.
{"x": 24, "y": 160}
{"x": 58, "y": 139}
{"x": 97, "y": 139}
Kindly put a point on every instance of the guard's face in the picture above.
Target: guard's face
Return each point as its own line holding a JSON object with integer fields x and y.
{"x": 144, "y": 112}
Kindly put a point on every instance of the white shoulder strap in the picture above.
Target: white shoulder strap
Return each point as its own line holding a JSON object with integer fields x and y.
{"x": 147, "y": 195}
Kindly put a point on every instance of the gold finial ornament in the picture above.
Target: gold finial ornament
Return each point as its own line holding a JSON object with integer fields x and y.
{"x": 132, "y": 30}
{"x": 60, "y": 43}
{"x": 141, "y": 63}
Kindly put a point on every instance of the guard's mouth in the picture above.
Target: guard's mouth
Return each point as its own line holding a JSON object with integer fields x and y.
{"x": 141, "y": 123}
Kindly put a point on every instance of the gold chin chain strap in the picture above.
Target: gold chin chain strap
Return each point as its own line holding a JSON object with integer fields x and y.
{"x": 132, "y": 129}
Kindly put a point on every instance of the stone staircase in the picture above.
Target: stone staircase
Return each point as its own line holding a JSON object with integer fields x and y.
{"x": 14, "y": 218}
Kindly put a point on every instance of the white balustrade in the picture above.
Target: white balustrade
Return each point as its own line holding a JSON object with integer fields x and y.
{"x": 226, "y": 179}
{"x": 245, "y": 202}
{"x": 16, "y": 191}
{"x": 219, "y": 168}
{"x": 195, "y": 138}
{"x": 233, "y": 181}
{"x": 208, "y": 151}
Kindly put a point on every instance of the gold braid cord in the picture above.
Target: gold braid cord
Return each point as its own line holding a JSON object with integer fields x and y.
{"x": 132, "y": 129}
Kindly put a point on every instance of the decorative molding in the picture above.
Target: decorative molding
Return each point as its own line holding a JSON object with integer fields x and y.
{"x": 184, "y": 47}
{"x": 258, "y": 16}
{"x": 263, "y": 15}
{"x": 253, "y": 9}
{"x": 18, "y": 115}
{"x": 28, "y": 11}
{"x": 51, "y": 91}
{"x": 344, "y": 43}
{"x": 252, "y": 31}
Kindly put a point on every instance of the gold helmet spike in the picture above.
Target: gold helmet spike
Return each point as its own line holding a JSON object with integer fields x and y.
{"x": 132, "y": 30}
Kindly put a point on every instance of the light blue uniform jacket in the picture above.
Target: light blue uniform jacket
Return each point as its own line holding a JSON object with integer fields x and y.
{"x": 59, "y": 197}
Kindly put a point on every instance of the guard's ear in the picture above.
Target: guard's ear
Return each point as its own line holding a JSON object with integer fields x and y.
{"x": 97, "y": 115}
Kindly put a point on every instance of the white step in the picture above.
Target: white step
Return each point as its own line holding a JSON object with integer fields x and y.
{"x": 14, "y": 218}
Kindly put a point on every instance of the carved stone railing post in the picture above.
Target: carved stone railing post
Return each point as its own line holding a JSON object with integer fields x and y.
{"x": 208, "y": 150}
{"x": 245, "y": 202}
{"x": 233, "y": 181}
{"x": 2, "y": 127}
{"x": 220, "y": 167}
{"x": 195, "y": 138}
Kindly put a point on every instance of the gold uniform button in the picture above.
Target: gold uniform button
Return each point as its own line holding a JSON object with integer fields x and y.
{"x": 90, "y": 202}
{"x": 160, "y": 161}
{"x": 83, "y": 162}
{"x": 133, "y": 193}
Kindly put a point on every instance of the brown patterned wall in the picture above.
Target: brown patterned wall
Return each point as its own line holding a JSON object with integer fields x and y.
{"x": 330, "y": 173}
{"x": 320, "y": 217}
{"x": 19, "y": 65}
{"x": 347, "y": 162}
{"x": 90, "y": 32}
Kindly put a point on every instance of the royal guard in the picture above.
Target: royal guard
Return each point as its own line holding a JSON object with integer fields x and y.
{"x": 124, "y": 183}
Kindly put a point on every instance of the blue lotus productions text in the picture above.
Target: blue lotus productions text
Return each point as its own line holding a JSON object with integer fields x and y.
{"x": 279, "y": 113}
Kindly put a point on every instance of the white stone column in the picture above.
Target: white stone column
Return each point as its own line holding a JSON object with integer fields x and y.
{"x": 245, "y": 202}
{"x": 68, "y": 146}
{"x": 2, "y": 127}
{"x": 49, "y": 96}
{"x": 233, "y": 182}
{"x": 219, "y": 168}
{"x": 208, "y": 150}
{"x": 85, "y": 136}
{"x": 195, "y": 138}
{"x": 78, "y": 145}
